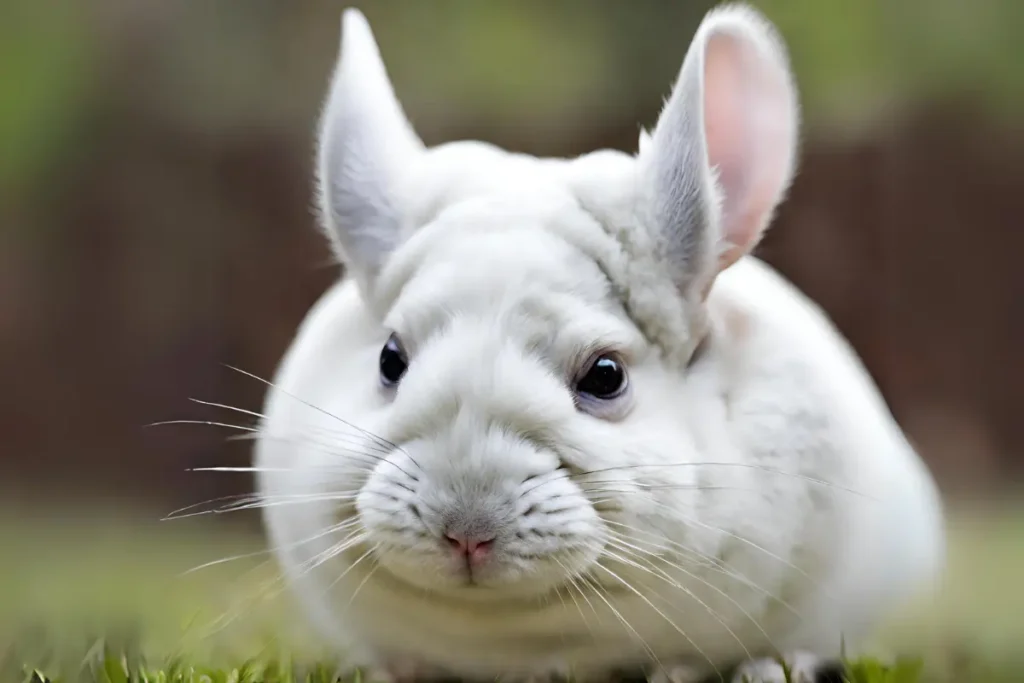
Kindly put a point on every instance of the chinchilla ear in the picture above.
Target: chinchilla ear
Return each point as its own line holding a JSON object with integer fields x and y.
{"x": 723, "y": 152}
{"x": 365, "y": 143}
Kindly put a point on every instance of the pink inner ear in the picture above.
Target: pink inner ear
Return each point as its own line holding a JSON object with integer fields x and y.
{"x": 748, "y": 125}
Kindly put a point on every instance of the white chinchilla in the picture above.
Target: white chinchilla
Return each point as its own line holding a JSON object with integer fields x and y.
{"x": 556, "y": 419}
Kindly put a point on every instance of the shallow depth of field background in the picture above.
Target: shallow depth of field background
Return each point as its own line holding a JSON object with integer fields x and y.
{"x": 155, "y": 225}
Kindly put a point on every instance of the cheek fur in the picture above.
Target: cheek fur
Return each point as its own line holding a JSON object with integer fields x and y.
{"x": 390, "y": 507}
{"x": 556, "y": 520}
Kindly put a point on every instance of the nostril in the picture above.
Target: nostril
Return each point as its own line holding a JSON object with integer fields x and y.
{"x": 480, "y": 546}
{"x": 457, "y": 542}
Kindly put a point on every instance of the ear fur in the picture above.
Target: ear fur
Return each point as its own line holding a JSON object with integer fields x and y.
{"x": 365, "y": 142}
{"x": 723, "y": 152}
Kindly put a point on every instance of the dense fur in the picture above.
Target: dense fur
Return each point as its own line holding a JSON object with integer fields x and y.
{"x": 750, "y": 494}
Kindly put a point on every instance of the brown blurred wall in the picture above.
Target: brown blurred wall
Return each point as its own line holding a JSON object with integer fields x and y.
{"x": 176, "y": 251}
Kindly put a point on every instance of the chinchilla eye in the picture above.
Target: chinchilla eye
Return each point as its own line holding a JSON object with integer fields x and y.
{"x": 393, "y": 363}
{"x": 605, "y": 379}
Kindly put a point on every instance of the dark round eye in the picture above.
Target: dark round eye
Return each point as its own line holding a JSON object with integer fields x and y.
{"x": 392, "y": 362}
{"x": 605, "y": 379}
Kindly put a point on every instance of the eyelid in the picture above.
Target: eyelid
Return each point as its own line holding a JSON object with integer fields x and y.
{"x": 394, "y": 336}
{"x": 405, "y": 347}
{"x": 584, "y": 358}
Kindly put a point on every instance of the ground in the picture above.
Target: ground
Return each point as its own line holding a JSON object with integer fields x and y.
{"x": 84, "y": 597}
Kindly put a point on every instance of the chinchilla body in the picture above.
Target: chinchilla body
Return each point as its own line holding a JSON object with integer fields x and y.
{"x": 556, "y": 418}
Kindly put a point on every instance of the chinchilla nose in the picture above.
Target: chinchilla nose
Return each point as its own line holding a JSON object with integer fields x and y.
{"x": 475, "y": 548}
{"x": 471, "y": 531}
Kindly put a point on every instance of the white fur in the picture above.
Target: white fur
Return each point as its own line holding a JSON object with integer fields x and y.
{"x": 751, "y": 434}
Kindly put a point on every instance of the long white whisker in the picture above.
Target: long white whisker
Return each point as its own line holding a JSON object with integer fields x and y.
{"x": 266, "y": 590}
{"x": 352, "y": 566}
{"x": 319, "y": 467}
{"x": 312, "y": 428}
{"x": 362, "y": 583}
{"x": 332, "y": 444}
{"x": 691, "y": 520}
{"x": 354, "y": 538}
{"x": 655, "y": 571}
{"x": 662, "y": 544}
{"x": 570, "y": 585}
{"x": 329, "y": 530}
{"x": 257, "y": 469}
{"x": 596, "y": 588}
{"x": 753, "y": 466}
{"x": 235, "y": 409}
{"x": 209, "y": 423}
{"x": 701, "y": 560}
{"x": 331, "y": 448}
{"x": 270, "y": 384}
{"x": 256, "y": 433}
{"x": 640, "y": 488}
{"x": 664, "y": 616}
{"x": 183, "y": 512}
{"x": 257, "y": 502}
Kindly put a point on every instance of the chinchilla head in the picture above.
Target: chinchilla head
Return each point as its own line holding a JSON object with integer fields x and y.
{"x": 534, "y": 317}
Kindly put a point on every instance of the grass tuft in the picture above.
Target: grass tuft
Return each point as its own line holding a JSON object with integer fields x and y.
{"x": 113, "y": 661}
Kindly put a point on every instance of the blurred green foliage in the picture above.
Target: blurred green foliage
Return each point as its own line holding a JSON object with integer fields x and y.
{"x": 220, "y": 65}
{"x": 46, "y": 59}
{"x": 852, "y": 57}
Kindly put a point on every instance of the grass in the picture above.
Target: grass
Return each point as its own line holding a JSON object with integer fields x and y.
{"x": 104, "y": 600}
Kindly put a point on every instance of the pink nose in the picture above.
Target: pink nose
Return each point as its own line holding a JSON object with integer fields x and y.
{"x": 475, "y": 548}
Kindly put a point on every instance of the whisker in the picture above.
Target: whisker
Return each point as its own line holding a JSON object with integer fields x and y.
{"x": 268, "y": 589}
{"x": 277, "y": 585}
{"x": 664, "y": 616}
{"x": 654, "y": 571}
{"x": 746, "y": 541}
{"x": 329, "y": 530}
{"x": 312, "y": 428}
{"x": 330, "y": 449}
{"x": 664, "y": 545}
{"x": 245, "y": 469}
{"x": 754, "y": 466}
{"x": 354, "y": 538}
{"x": 725, "y": 594}
{"x": 640, "y": 488}
{"x": 235, "y": 409}
{"x": 381, "y": 442}
{"x": 569, "y": 589}
{"x": 369, "y": 450}
{"x": 561, "y": 598}
{"x": 362, "y": 583}
{"x": 233, "y": 614}
{"x": 184, "y": 511}
{"x": 352, "y": 566}
{"x": 274, "y": 587}
{"x": 256, "y": 433}
{"x": 257, "y": 501}
{"x": 209, "y": 423}
{"x": 704, "y": 562}
{"x": 596, "y": 588}
{"x": 270, "y": 384}
{"x": 558, "y": 476}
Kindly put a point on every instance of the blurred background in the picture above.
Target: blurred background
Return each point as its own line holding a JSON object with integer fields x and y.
{"x": 156, "y": 224}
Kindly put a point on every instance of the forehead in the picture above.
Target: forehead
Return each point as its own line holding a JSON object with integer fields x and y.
{"x": 512, "y": 278}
